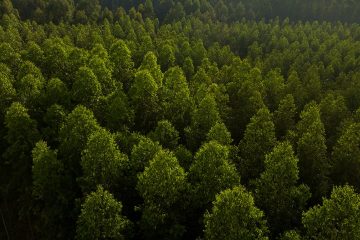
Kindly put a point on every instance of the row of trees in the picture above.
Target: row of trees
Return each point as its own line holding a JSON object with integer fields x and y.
{"x": 81, "y": 11}
{"x": 135, "y": 129}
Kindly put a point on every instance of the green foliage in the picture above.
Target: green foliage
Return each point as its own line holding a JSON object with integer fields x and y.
{"x": 143, "y": 95}
{"x": 7, "y": 93}
{"x": 311, "y": 150}
{"x": 211, "y": 172}
{"x": 73, "y": 135}
{"x": 101, "y": 217}
{"x": 86, "y": 88}
{"x": 259, "y": 139}
{"x": 175, "y": 98}
{"x": 165, "y": 134}
{"x": 220, "y": 134}
{"x": 162, "y": 185}
{"x": 336, "y": 218}
{"x": 120, "y": 55}
{"x": 235, "y": 216}
{"x": 345, "y": 157}
{"x": 277, "y": 192}
{"x": 142, "y": 153}
{"x": 102, "y": 162}
{"x": 221, "y": 80}
{"x": 284, "y": 116}
{"x": 46, "y": 172}
{"x": 150, "y": 63}
{"x": 204, "y": 117}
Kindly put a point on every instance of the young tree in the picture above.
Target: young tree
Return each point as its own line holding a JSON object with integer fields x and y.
{"x": 220, "y": 134}
{"x": 143, "y": 95}
{"x": 73, "y": 135}
{"x": 259, "y": 139}
{"x": 48, "y": 191}
{"x": 102, "y": 162}
{"x": 175, "y": 98}
{"x": 120, "y": 55}
{"x": 204, "y": 117}
{"x": 211, "y": 172}
{"x": 101, "y": 218}
{"x": 86, "y": 89}
{"x": 277, "y": 192}
{"x": 150, "y": 64}
{"x": 7, "y": 93}
{"x": 345, "y": 167}
{"x": 337, "y": 218}
{"x": 165, "y": 134}
{"x": 311, "y": 150}
{"x": 284, "y": 116}
{"x": 235, "y": 216}
{"x": 56, "y": 92}
{"x": 333, "y": 110}
{"x": 162, "y": 186}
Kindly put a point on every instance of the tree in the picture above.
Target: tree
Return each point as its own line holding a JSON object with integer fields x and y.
{"x": 166, "y": 56}
{"x": 211, "y": 172}
{"x": 277, "y": 192}
{"x": 162, "y": 185}
{"x": 102, "y": 162}
{"x": 48, "y": 191}
{"x": 30, "y": 89}
{"x": 119, "y": 115}
{"x": 150, "y": 63}
{"x": 53, "y": 118}
{"x": 86, "y": 88}
{"x": 58, "y": 10}
{"x": 21, "y": 136}
{"x": 103, "y": 74}
{"x": 120, "y": 55}
{"x": 345, "y": 167}
{"x": 73, "y": 135}
{"x": 235, "y": 216}
{"x": 175, "y": 98}
{"x": 311, "y": 150}
{"x": 284, "y": 116}
{"x": 274, "y": 87}
{"x": 333, "y": 110}
{"x": 142, "y": 153}
{"x": 259, "y": 139}
{"x": 101, "y": 217}
{"x": 8, "y": 91}
{"x": 143, "y": 94}
{"x": 204, "y": 117}
{"x": 220, "y": 134}
{"x": 165, "y": 134}
{"x": 337, "y": 218}
{"x": 91, "y": 9}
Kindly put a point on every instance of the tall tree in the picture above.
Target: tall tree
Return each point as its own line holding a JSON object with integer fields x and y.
{"x": 175, "y": 98}
{"x": 311, "y": 150}
{"x": 86, "y": 89}
{"x": 120, "y": 55}
{"x": 211, "y": 172}
{"x": 345, "y": 157}
{"x": 102, "y": 162}
{"x": 285, "y": 116}
{"x": 235, "y": 216}
{"x": 337, "y": 217}
{"x": 101, "y": 217}
{"x": 144, "y": 97}
{"x": 162, "y": 186}
{"x": 259, "y": 139}
{"x": 277, "y": 191}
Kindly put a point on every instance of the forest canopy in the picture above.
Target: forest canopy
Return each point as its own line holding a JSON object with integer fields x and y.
{"x": 191, "y": 119}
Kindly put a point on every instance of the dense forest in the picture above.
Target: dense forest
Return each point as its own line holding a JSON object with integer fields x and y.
{"x": 189, "y": 119}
